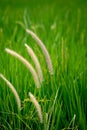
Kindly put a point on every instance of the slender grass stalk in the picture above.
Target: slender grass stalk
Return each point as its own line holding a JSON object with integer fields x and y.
{"x": 27, "y": 64}
{"x": 44, "y": 50}
{"x": 13, "y": 91}
{"x": 35, "y": 60}
{"x": 72, "y": 122}
{"x": 38, "y": 108}
{"x": 67, "y": 59}
{"x": 62, "y": 54}
{"x": 52, "y": 108}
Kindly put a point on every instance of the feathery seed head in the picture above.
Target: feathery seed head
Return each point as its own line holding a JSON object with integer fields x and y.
{"x": 44, "y": 50}
{"x": 38, "y": 108}
{"x": 13, "y": 91}
{"x": 35, "y": 60}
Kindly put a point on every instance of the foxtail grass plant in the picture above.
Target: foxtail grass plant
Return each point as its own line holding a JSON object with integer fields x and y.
{"x": 44, "y": 50}
{"x": 35, "y": 60}
{"x": 13, "y": 91}
{"x": 27, "y": 64}
{"x": 38, "y": 108}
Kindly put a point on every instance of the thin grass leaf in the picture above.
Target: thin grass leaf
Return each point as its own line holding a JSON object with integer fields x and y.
{"x": 52, "y": 108}
{"x": 72, "y": 122}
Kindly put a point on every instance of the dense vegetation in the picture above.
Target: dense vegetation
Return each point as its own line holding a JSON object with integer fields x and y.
{"x": 62, "y": 26}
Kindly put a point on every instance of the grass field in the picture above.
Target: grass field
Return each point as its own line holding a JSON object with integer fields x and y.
{"x": 62, "y": 26}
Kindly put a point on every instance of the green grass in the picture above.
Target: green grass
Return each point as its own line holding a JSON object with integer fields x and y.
{"x": 63, "y": 29}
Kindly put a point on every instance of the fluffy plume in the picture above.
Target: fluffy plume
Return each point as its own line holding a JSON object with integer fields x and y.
{"x": 38, "y": 108}
{"x": 27, "y": 64}
{"x": 13, "y": 90}
{"x": 44, "y": 50}
{"x": 35, "y": 60}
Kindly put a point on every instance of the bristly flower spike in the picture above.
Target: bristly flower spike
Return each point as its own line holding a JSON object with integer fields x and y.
{"x": 38, "y": 108}
{"x": 44, "y": 50}
{"x": 35, "y": 60}
{"x": 27, "y": 64}
{"x": 13, "y": 91}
